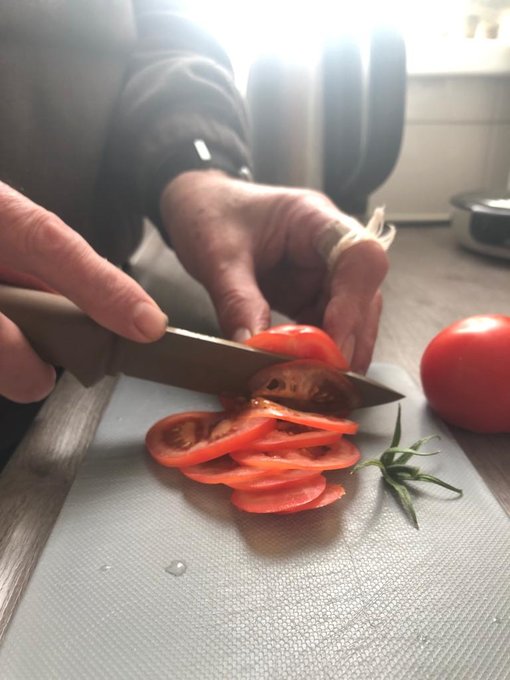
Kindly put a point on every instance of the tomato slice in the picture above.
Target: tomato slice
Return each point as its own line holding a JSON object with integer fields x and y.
{"x": 280, "y": 499}
{"x": 188, "y": 438}
{"x": 291, "y": 435}
{"x": 331, "y": 493}
{"x": 260, "y": 408}
{"x": 335, "y": 457}
{"x": 224, "y": 470}
{"x": 301, "y": 341}
{"x": 272, "y": 481}
{"x": 307, "y": 385}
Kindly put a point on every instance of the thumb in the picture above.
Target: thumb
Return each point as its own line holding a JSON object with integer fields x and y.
{"x": 241, "y": 308}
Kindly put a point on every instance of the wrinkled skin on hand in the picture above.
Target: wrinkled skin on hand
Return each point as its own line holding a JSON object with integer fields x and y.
{"x": 254, "y": 248}
{"x": 37, "y": 250}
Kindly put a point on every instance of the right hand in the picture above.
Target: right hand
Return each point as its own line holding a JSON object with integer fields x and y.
{"x": 38, "y": 249}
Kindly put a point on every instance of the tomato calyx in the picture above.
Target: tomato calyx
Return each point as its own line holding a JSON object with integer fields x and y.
{"x": 396, "y": 473}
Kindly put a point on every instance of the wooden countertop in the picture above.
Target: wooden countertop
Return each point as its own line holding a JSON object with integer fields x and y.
{"x": 432, "y": 282}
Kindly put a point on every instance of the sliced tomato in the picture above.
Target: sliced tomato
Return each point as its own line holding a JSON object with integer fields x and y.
{"x": 230, "y": 404}
{"x": 301, "y": 341}
{"x": 307, "y": 385}
{"x": 185, "y": 439}
{"x": 331, "y": 493}
{"x": 224, "y": 470}
{"x": 279, "y": 499}
{"x": 335, "y": 457}
{"x": 293, "y": 436}
{"x": 272, "y": 481}
{"x": 260, "y": 408}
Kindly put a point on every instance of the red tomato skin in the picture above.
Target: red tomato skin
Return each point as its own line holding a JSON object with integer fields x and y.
{"x": 271, "y": 480}
{"x": 265, "y": 408}
{"x": 223, "y": 470}
{"x": 278, "y": 440}
{"x": 335, "y": 457}
{"x": 174, "y": 455}
{"x": 300, "y": 341}
{"x": 279, "y": 499}
{"x": 465, "y": 373}
{"x": 331, "y": 493}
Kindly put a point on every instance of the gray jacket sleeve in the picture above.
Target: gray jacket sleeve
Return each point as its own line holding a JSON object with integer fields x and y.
{"x": 179, "y": 87}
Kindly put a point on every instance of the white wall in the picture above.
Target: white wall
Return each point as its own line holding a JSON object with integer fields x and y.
{"x": 457, "y": 133}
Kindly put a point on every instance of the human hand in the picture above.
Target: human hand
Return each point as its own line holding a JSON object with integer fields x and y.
{"x": 256, "y": 247}
{"x": 39, "y": 250}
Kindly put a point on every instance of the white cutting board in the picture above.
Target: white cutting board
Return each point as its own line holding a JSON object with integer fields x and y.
{"x": 347, "y": 591}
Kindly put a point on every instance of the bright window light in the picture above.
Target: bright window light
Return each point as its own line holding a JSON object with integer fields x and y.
{"x": 290, "y": 23}
{"x": 295, "y": 30}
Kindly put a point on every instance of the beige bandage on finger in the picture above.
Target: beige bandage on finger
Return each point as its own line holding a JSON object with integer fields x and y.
{"x": 338, "y": 236}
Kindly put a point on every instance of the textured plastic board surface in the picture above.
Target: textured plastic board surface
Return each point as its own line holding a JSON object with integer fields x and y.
{"x": 351, "y": 591}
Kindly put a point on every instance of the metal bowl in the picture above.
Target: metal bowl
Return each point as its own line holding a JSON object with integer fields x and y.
{"x": 481, "y": 221}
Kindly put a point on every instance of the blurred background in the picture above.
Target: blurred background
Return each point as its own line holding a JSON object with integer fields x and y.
{"x": 402, "y": 103}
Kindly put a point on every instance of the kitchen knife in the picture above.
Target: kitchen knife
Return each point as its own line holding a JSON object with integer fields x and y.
{"x": 65, "y": 336}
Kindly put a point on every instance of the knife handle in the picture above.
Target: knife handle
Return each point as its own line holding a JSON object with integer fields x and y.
{"x": 60, "y": 332}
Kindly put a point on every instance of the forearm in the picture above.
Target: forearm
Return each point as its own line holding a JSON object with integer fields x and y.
{"x": 179, "y": 88}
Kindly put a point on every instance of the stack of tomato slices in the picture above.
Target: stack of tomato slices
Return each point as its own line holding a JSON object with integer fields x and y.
{"x": 273, "y": 456}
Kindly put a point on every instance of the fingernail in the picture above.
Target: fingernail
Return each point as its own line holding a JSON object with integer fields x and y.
{"x": 42, "y": 391}
{"x": 241, "y": 335}
{"x": 348, "y": 348}
{"x": 149, "y": 320}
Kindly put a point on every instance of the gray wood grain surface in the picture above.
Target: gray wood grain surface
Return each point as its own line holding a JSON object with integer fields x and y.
{"x": 432, "y": 282}
{"x": 34, "y": 484}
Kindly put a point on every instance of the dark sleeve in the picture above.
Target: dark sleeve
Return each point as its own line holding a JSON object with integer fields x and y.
{"x": 179, "y": 87}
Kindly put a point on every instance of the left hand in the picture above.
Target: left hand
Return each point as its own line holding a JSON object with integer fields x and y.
{"x": 254, "y": 248}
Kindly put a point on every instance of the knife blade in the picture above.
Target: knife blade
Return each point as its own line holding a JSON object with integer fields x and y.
{"x": 65, "y": 336}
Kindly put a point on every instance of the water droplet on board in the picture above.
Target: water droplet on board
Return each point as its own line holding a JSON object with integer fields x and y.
{"x": 176, "y": 568}
{"x": 423, "y": 639}
{"x": 497, "y": 619}
{"x": 105, "y": 567}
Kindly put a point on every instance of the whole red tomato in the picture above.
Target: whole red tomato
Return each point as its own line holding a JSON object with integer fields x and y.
{"x": 465, "y": 373}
